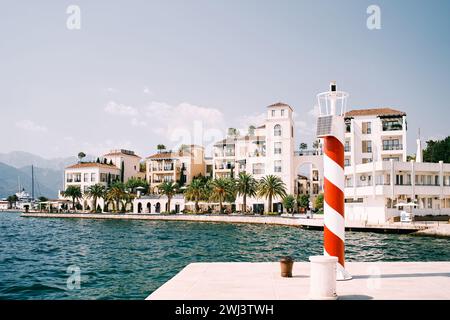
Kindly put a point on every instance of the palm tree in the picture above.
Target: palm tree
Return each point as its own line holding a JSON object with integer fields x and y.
{"x": 116, "y": 193}
{"x": 195, "y": 191}
{"x": 246, "y": 185}
{"x": 271, "y": 186}
{"x": 303, "y": 146}
{"x": 95, "y": 192}
{"x": 169, "y": 189}
{"x": 73, "y": 192}
{"x": 133, "y": 183}
{"x": 160, "y": 147}
{"x": 221, "y": 189}
{"x": 81, "y": 155}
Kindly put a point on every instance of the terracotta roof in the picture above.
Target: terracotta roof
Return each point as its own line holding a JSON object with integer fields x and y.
{"x": 375, "y": 112}
{"x": 279, "y": 104}
{"x": 163, "y": 155}
{"x": 92, "y": 165}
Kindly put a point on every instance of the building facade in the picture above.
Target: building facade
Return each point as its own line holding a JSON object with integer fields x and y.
{"x": 177, "y": 167}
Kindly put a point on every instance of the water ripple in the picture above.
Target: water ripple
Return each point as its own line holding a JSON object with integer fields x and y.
{"x": 130, "y": 259}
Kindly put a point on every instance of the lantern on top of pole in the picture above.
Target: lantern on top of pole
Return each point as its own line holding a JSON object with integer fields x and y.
{"x": 331, "y": 128}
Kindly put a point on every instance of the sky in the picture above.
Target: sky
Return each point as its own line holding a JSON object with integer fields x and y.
{"x": 140, "y": 73}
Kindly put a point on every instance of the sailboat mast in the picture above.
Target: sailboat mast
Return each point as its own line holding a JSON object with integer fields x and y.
{"x": 32, "y": 182}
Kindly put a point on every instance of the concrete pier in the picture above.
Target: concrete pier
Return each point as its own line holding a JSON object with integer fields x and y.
{"x": 315, "y": 223}
{"x": 262, "y": 281}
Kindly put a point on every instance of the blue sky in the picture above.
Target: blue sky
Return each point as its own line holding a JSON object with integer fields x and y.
{"x": 139, "y": 73}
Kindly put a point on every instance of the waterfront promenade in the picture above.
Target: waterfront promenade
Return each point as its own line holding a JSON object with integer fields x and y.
{"x": 442, "y": 229}
{"x": 262, "y": 281}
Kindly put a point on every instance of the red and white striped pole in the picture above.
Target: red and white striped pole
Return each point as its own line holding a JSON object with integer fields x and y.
{"x": 333, "y": 171}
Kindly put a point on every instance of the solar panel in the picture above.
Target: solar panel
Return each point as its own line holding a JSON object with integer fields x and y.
{"x": 324, "y": 126}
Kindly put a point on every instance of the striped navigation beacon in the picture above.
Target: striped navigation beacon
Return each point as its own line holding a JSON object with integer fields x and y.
{"x": 330, "y": 127}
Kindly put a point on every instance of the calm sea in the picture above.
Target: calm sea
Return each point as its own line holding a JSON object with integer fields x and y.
{"x": 119, "y": 259}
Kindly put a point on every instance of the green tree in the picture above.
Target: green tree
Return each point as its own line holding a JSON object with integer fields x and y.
{"x": 222, "y": 189}
{"x": 318, "y": 203}
{"x": 195, "y": 191}
{"x": 246, "y": 185}
{"x": 437, "y": 150}
{"x": 303, "y": 146}
{"x": 289, "y": 203}
{"x": 96, "y": 191}
{"x": 169, "y": 189}
{"x": 160, "y": 147}
{"x": 81, "y": 155}
{"x": 233, "y": 132}
{"x": 251, "y": 130}
{"x": 134, "y": 183}
{"x": 12, "y": 200}
{"x": 303, "y": 201}
{"x": 271, "y": 186}
{"x": 116, "y": 194}
{"x": 73, "y": 192}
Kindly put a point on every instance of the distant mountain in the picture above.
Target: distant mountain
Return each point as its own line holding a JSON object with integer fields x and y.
{"x": 47, "y": 181}
{"x": 20, "y": 159}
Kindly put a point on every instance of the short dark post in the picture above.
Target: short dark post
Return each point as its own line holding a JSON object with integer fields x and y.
{"x": 286, "y": 264}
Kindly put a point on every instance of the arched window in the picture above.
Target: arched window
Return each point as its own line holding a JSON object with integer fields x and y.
{"x": 277, "y": 130}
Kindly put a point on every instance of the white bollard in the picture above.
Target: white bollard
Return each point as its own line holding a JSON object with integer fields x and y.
{"x": 323, "y": 278}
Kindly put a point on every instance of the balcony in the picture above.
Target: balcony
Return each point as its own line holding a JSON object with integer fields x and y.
{"x": 392, "y": 147}
{"x": 392, "y": 127}
{"x": 307, "y": 153}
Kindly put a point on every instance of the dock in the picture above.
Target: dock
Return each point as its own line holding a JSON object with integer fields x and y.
{"x": 262, "y": 281}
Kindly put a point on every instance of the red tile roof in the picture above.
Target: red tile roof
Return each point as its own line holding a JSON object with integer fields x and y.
{"x": 163, "y": 155}
{"x": 375, "y": 112}
{"x": 92, "y": 165}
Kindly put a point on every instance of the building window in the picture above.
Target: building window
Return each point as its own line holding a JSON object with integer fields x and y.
{"x": 69, "y": 177}
{"x": 93, "y": 177}
{"x": 366, "y": 127}
{"x": 393, "y": 144}
{"x": 86, "y": 177}
{"x": 277, "y": 148}
{"x": 367, "y": 146}
{"x": 346, "y": 162}
{"x": 77, "y": 177}
{"x": 277, "y": 166}
{"x": 103, "y": 177}
{"x": 273, "y": 113}
{"x": 347, "y": 146}
{"x": 282, "y": 112}
{"x": 258, "y": 168}
{"x": 277, "y": 130}
{"x": 366, "y": 160}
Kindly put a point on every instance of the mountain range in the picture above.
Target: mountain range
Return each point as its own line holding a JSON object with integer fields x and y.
{"x": 15, "y": 167}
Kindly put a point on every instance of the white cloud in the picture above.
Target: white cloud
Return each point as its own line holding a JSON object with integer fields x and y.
{"x": 119, "y": 109}
{"x": 245, "y": 121}
{"x": 147, "y": 91}
{"x": 30, "y": 126}
{"x": 186, "y": 123}
{"x": 138, "y": 123}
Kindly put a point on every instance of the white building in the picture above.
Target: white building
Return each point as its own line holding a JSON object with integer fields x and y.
{"x": 117, "y": 165}
{"x": 4, "y": 205}
{"x": 269, "y": 150}
{"x": 377, "y": 176}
